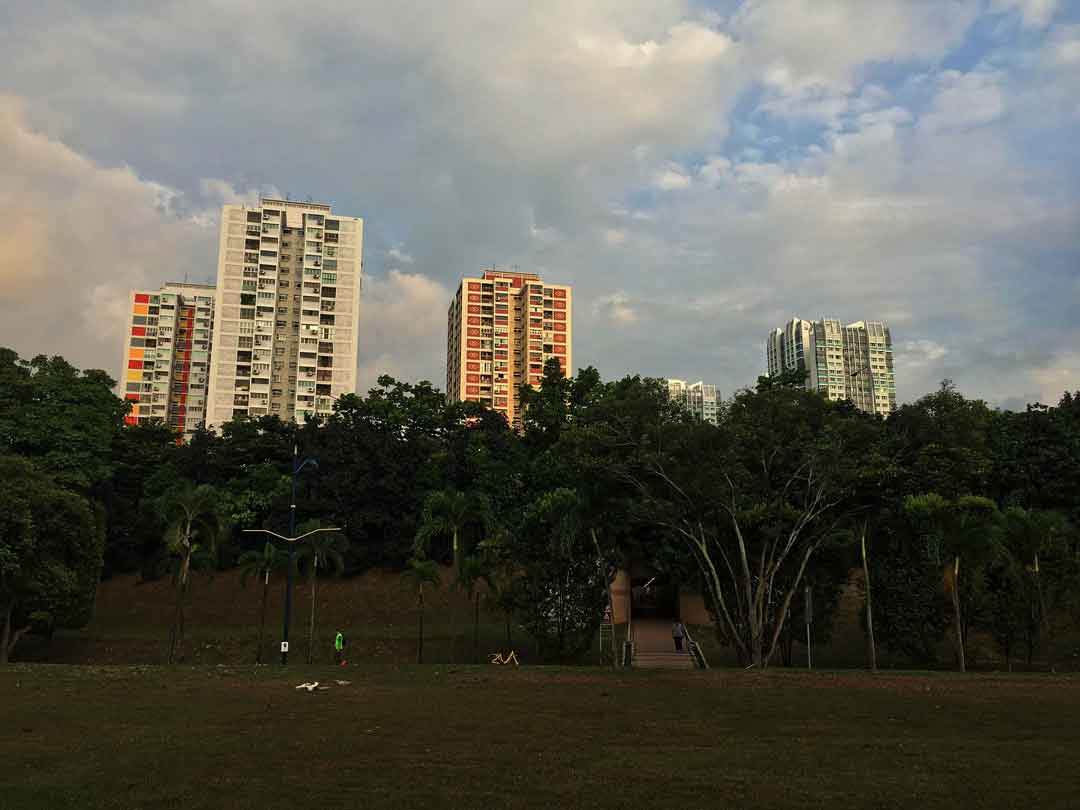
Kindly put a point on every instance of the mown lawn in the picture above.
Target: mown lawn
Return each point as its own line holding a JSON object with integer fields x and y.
{"x": 400, "y": 737}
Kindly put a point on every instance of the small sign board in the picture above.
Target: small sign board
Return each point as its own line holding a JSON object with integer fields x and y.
{"x": 284, "y": 646}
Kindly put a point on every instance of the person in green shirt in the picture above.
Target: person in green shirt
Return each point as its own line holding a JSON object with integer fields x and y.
{"x": 339, "y": 649}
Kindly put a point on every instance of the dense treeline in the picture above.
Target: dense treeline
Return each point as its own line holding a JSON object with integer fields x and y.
{"x": 962, "y": 517}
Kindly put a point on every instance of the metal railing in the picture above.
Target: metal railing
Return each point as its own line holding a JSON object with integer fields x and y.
{"x": 695, "y": 650}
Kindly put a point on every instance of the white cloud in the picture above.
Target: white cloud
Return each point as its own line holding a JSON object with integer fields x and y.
{"x": 396, "y": 255}
{"x": 964, "y": 101}
{"x": 916, "y": 354}
{"x": 77, "y": 237}
{"x": 616, "y": 307}
{"x": 402, "y": 326}
{"x": 1033, "y": 13}
{"x": 672, "y": 178}
{"x": 829, "y": 38}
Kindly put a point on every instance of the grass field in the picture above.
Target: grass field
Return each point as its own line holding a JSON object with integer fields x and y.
{"x": 402, "y": 737}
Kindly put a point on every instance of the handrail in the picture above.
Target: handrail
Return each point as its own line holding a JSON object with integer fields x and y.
{"x": 695, "y": 649}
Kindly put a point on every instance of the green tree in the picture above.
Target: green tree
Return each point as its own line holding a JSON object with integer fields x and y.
{"x": 754, "y": 499}
{"x": 51, "y": 542}
{"x": 263, "y": 564}
{"x": 957, "y": 531}
{"x": 562, "y": 587}
{"x": 448, "y": 514}
{"x": 472, "y": 573}
{"x": 421, "y": 572}
{"x": 62, "y": 418}
{"x": 325, "y": 551}
{"x": 195, "y": 522}
{"x": 140, "y": 453}
{"x": 1031, "y": 553}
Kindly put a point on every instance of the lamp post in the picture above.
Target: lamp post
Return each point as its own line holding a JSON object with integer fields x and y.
{"x": 297, "y": 466}
{"x": 288, "y": 588}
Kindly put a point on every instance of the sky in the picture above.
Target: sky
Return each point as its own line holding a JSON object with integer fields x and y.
{"x": 700, "y": 172}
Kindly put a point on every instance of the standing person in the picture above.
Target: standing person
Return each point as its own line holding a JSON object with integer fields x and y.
{"x": 339, "y": 649}
{"x": 678, "y": 633}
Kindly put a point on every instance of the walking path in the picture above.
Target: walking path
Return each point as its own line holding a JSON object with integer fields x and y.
{"x": 654, "y": 648}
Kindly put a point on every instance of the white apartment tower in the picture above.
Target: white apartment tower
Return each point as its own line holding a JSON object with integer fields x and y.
{"x": 288, "y": 311}
{"x": 699, "y": 399}
{"x": 167, "y": 355}
{"x": 853, "y": 362}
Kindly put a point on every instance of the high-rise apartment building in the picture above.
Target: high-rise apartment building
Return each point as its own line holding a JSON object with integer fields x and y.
{"x": 167, "y": 355}
{"x": 501, "y": 328}
{"x": 699, "y": 399}
{"x": 288, "y": 310}
{"x": 853, "y": 362}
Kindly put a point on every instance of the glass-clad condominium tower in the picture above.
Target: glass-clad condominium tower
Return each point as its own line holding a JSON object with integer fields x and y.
{"x": 700, "y": 399}
{"x": 853, "y": 362}
{"x": 288, "y": 310}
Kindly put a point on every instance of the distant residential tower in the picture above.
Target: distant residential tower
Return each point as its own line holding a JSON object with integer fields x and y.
{"x": 288, "y": 310}
{"x": 853, "y": 362}
{"x": 167, "y": 355}
{"x": 699, "y": 399}
{"x": 501, "y": 328}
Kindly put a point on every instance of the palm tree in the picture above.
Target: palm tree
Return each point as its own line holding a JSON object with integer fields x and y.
{"x": 473, "y": 569}
{"x": 194, "y": 520}
{"x": 422, "y": 572}
{"x": 963, "y": 529}
{"x": 447, "y": 513}
{"x": 261, "y": 563}
{"x": 325, "y": 550}
{"x": 1029, "y": 536}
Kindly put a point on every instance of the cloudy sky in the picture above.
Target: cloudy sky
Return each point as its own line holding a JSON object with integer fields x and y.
{"x": 700, "y": 171}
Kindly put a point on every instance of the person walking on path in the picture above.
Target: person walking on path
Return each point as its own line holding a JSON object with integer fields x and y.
{"x": 339, "y": 649}
{"x": 678, "y": 633}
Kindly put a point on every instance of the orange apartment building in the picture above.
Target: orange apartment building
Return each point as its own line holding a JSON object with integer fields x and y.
{"x": 167, "y": 355}
{"x": 502, "y": 327}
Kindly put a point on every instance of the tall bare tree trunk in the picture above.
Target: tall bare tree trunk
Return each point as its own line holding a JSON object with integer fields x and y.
{"x": 174, "y": 633}
{"x": 262, "y": 616}
{"x": 311, "y": 627}
{"x": 871, "y": 647}
{"x": 476, "y": 628}
{"x": 957, "y": 625}
{"x": 8, "y": 637}
{"x": 420, "y": 634}
{"x": 5, "y": 634}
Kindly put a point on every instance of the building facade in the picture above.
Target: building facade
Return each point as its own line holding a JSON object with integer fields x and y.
{"x": 288, "y": 310}
{"x": 167, "y": 352}
{"x": 852, "y": 362}
{"x": 501, "y": 328}
{"x": 699, "y": 399}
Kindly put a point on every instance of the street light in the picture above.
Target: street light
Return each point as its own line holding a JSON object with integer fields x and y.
{"x": 291, "y": 540}
{"x": 289, "y": 579}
